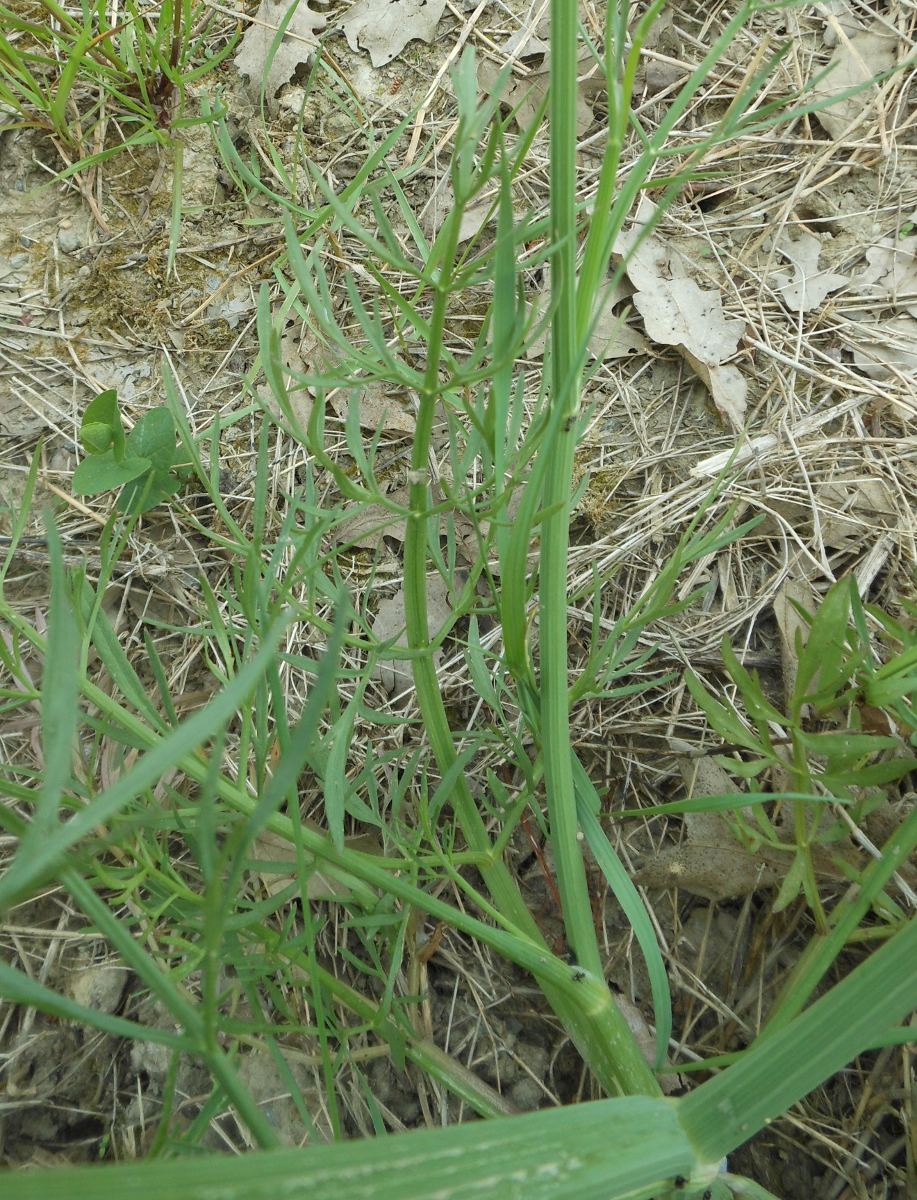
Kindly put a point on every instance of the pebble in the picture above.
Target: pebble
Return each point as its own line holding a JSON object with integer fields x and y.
{"x": 100, "y": 988}
{"x": 69, "y": 238}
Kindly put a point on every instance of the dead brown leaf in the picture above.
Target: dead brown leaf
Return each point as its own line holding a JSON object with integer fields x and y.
{"x": 384, "y": 27}
{"x": 527, "y": 87}
{"x": 370, "y": 523}
{"x": 380, "y": 408}
{"x": 856, "y": 60}
{"x": 887, "y": 350}
{"x": 891, "y": 276}
{"x": 847, "y": 508}
{"x": 884, "y": 344}
{"x": 789, "y": 623}
{"x": 271, "y": 847}
{"x": 389, "y": 623}
{"x": 611, "y": 336}
{"x": 677, "y": 312}
{"x": 253, "y": 58}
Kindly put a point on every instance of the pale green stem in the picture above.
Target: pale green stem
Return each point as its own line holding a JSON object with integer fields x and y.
{"x": 631, "y": 1073}
{"x": 555, "y": 712}
{"x": 588, "y": 1012}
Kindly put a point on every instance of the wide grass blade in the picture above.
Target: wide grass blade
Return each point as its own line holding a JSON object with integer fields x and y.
{"x": 779, "y": 1070}
{"x": 628, "y": 1149}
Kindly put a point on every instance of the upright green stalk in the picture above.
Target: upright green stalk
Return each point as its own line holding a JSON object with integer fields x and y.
{"x": 565, "y": 383}
{"x": 500, "y": 882}
{"x": 632, "y": 1074}
{"x": 591, "y": 1019}
{"x": 416, "y": 558}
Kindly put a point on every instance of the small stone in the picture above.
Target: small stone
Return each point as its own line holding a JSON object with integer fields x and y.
{"x": 292, "y": 97}
{"x": 526, "y": 1095}
{"x": 535, "y": 1058}
{"x": 152, "y": 1058}
{"x": 100, "y": 988}
{"x": 69, "y": 238}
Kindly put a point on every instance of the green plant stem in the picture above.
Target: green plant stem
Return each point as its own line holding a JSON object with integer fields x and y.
{"x": 555, "y": 710}
{"x": 599, "y": 1029}
{"x": 499, "y": 882}
{"x": 801, "y": 819}
{"x": 633, "y": 1147}
{"x": 593, "y": 1020}
{"x": 620, "y": 84}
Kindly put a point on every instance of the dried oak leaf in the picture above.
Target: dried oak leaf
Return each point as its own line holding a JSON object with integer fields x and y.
{"x": 525, "y": 95}
{"x": 291, "y": 357}
{"x": 380, "y": 408}
{"x": 713, "y": 863}
{"x": 789, "y": 623}
{"x": 678, "y": 312}
{"x": 808, "y": 286}
{"x": 388, "y": 626}
{"x": 856, "y": 60}
{"x": 253, "y": 58}
{"x": 529, "y": 49}
{"x": 882, "y": 335}
{"x": 366, "y": 525}
{"x": 611, "y": 336}
{"x": 891, "y": 277}
{"x": 271, "y": 847}
{"x": 384, "y": 27}
{"x": 887, "y": 350}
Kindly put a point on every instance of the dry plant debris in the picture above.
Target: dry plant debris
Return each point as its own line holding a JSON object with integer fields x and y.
{"x": 256, "y": 56}
{"x": 384, "y": 27}
{"x": 529, "y": 52}
{"x": 808, "y": 286}
{"x": 381, "y": 27}
{"x": 678, "y": 312}
{"x": 862, "y": 54}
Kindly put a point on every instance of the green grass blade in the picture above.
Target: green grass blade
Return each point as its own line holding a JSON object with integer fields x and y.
{"x": 28, "y": 870}
{"x": 116, "y": 662}
{"x": 627, "y": 1149}
{"x": 22, "y": 514}
{"x": 76, "y": 54}
{"x": 60, "y": 693}
{"x": 630, "y": 900}
{"x": 60, "y": 713}
{"x": 777, "y": 1071}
